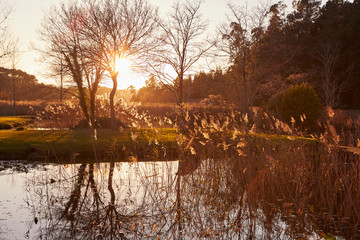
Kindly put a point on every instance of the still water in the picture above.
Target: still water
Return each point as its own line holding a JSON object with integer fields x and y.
{"x": 144, "y": 200}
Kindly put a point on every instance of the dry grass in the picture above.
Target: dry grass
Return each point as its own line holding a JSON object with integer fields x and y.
{"x": 169, "y": 109}
{"x": 302, "y": 181}
{"x": 22, "y": 107}
{"x": 341, "y": 128}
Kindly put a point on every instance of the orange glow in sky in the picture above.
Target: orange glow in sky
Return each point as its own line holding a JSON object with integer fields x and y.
{"x": 27, "y": 16}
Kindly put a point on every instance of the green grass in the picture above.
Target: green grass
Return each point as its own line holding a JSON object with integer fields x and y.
{"x": 284, "y": 138}
{"x": 66, "y": 143}
{"x": 9, "y": 122}
{"x": 144, "y": 143}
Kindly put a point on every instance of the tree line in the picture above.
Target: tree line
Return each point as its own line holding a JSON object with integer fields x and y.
{"x": 266, "y": 48}
{"x": 270, "y": 50}
{"x": 21, "y": 86}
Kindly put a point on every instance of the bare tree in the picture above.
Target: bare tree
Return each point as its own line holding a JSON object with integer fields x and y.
{"x": 182, "y": 45}
{"x": 63, "y": 32}
{"x": 7, "y": 42}
{"x": 56, "y": 71}
{"x": 238, "y": 41}
{"x": 14, "y": 58}
{"x": 122, "y": 29}
{"x": 333, "y": 83}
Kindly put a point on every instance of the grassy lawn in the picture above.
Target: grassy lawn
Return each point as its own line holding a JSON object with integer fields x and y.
{"x": 144, "y": 143}
{"x": 18, "y": 144}
{"x": 9, "y": 122}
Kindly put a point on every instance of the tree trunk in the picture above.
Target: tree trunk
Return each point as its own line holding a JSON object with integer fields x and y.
{"x": 82, "y": 101}
{"x": 61, "y": 91}
{"x": 245, "y": 82}
{"x": 14, "y": 95}
{"x": 181, "y": 83}
{"x": 92, "y": 113}
{"x": 112, "y": 104}
{"x": 61, "y": 80}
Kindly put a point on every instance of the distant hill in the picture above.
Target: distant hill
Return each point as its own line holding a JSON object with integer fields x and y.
{"x": 28, "y": 88}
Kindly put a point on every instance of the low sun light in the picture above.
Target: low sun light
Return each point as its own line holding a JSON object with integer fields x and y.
{"x": 126, "y": 74}
{"x": 123, "y": 66}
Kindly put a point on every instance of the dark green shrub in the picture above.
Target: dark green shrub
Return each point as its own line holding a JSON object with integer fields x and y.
{"x": 301, "y": 103}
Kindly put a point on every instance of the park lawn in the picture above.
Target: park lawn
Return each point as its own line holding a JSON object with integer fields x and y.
{"x": 18, "y": 144}
{"x": 8, "y": 122}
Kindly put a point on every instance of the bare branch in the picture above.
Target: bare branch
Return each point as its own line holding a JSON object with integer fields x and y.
{"x": 333, "y": 83}
{"x": 182, "y": 45}
{"x": 7, "y": 41}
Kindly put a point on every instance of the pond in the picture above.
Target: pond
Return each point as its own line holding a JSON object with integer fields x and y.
{"x": 154, "y": 200}
{"x": 205, "y": 199}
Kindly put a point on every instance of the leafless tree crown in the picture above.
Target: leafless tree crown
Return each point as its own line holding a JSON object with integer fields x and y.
{"x": 182, "y": 45}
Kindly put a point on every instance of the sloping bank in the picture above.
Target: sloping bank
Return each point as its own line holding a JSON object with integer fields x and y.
{"x": 9, "y": 122}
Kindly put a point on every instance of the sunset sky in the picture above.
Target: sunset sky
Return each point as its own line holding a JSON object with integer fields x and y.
{"x": 25, "y": 21}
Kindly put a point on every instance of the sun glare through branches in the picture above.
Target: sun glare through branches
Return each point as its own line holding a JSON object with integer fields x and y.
{"x": 123, "y": 66}
{"x": 126, "y": 74}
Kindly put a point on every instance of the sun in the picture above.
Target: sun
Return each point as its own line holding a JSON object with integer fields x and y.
{"x": 123, "y": 66}
{"x": 127, "y": 74}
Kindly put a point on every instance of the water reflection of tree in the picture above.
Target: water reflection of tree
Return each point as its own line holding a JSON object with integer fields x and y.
{"x": 100, "y": 218}
{"x": 88, "y": 211}
{"x": 93, "y": 216}
{"x": 252, "y": 197}
{"x": 207, "y": 201}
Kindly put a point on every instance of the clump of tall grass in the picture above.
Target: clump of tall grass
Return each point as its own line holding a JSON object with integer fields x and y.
{"x": 69, "y": 114}
{"x": 347, "y": 125}
{"x": 298, "y": 179}
{"x": 317, "y": 187}
{"x": 339, "y": 127}
{"x": 169, "y": 109}
{"x": 63, "y": 115}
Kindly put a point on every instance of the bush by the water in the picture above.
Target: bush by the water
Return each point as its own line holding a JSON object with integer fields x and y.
{"x": 300, "y": 103}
